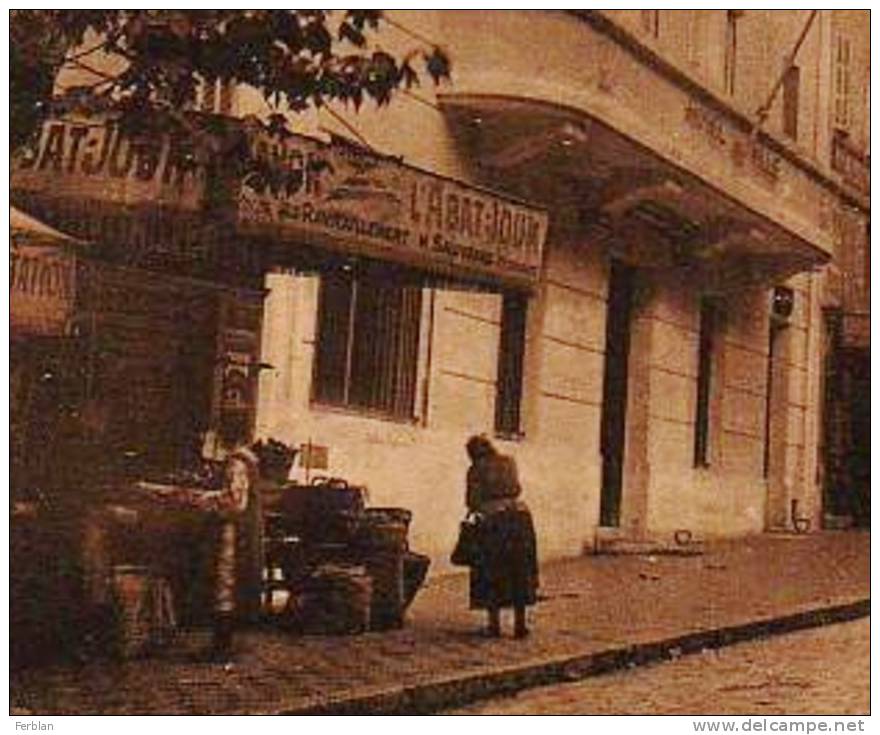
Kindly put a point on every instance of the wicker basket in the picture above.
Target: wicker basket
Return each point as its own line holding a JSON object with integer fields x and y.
{"x": 385, "y": 528}
{"x": 335, "y": 600}
{"x": 144, "y": 608}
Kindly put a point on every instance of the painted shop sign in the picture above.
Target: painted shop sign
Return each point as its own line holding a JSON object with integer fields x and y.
{"x": 705, "y": 139}
{"x": 743, "y": 152}
{"x": 41, "y": 290}
{"x": 379, "y": 207}
{"x": 154, "y": 237}
{"x": 93, "y": 159}
{"x": 139, "y": 201}
{"x": 147, "y": 196}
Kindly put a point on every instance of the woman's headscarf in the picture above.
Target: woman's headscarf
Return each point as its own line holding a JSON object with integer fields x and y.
{"x": 479, "y": 446}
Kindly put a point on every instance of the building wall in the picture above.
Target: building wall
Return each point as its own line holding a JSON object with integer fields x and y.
{"x": 421, "y": 465}
{"x": 842, "y": 452}
{"x": 697, "y": 41}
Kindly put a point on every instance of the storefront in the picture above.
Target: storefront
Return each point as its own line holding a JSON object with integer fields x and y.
{"x": 166, "y": 312}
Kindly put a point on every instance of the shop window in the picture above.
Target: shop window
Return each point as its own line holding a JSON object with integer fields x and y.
{"x": 511, "y": 354}
{"x": 708, "y": 327}
{"x": 790, "y": 101}
{"x": 367, "y": 344}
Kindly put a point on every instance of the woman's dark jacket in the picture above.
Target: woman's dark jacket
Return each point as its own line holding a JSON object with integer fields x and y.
{"x": 507, "y": 570}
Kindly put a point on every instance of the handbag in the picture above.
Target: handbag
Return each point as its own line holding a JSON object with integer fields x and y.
{"x": 467, "y": 547}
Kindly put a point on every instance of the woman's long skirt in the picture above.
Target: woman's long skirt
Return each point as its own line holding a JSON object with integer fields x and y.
{"x": 506, "y": 572}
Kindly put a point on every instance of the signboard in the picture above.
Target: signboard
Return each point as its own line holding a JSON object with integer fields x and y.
{"x": 143, "y": 200}
{"x": 94, "y": 159}
{"x": 359, "y": 202}
{"x": 138, "y": 202}
{"x": 41, "y": 290}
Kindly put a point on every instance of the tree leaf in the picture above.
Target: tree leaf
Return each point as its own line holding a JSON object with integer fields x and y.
{"x": 438, "y": 65}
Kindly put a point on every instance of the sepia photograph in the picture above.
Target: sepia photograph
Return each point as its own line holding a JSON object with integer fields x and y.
{"x": 440, "y": 362}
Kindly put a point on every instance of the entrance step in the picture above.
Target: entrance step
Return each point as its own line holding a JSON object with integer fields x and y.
{"x": 616, "y": 541}
{"x": 837, "y": 523}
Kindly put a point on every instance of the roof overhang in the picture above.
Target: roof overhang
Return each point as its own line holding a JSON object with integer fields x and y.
{"x": 649, "y": 209}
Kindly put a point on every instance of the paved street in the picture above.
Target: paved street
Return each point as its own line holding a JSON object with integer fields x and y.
{"x": 590, "y": 605}
{"x": 824, "y": 671}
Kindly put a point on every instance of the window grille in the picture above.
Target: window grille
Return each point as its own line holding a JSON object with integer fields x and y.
{"x": 367, "y": 344}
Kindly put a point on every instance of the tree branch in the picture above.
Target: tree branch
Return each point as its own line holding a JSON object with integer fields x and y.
{"x": 87, "y": 52}
{"x": 92, "y": 70}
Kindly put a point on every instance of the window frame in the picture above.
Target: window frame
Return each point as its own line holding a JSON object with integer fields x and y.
{"x": 842, "y": 83}
{"x": 730, "y": 50}
{"x": 791, "y": 82}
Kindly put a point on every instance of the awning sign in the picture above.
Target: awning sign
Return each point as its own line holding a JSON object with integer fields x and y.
{"x": 94, "y": 159}
{"x": 41, "y": 290}
{"x": 376, "y": 206}
{"x": 91, "y": 179}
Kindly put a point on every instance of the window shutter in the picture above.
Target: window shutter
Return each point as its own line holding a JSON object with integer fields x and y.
{"x": 511, "y": 354}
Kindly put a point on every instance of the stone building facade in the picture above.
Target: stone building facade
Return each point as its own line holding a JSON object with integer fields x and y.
{"x": 665, "y": 369}
{"x": 671, "y": 355}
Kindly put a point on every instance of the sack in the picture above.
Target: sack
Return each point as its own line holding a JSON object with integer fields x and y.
{"x": 468, "y": 546}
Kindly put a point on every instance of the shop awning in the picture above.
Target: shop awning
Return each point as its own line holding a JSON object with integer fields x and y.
{"x": 27, "y": 230}
{"x": 42, "y": 277}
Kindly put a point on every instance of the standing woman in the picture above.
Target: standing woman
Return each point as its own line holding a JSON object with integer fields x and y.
{"x": 505, "y": 573}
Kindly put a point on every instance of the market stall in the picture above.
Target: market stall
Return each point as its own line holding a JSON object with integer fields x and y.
{"x": 120, "y": 377}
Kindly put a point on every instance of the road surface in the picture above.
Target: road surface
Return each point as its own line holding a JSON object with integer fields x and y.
{"x": 822, "y": 671}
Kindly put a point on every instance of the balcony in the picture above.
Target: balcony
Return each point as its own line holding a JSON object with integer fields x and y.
{"x": 853, "y": 166}
{"x": 648, "y": 210}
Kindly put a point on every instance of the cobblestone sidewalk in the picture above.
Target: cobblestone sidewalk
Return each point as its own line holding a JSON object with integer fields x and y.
{"x": 590, "y": 605}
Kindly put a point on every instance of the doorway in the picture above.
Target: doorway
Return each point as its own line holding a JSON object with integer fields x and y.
{"x": 776, "y": 417}
{"x": 614, "y": 391}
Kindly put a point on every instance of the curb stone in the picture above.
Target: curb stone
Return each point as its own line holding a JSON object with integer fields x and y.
{"x": 434, "y": 696}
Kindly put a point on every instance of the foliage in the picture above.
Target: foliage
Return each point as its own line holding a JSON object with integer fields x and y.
{"x": 158, "y": 58}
